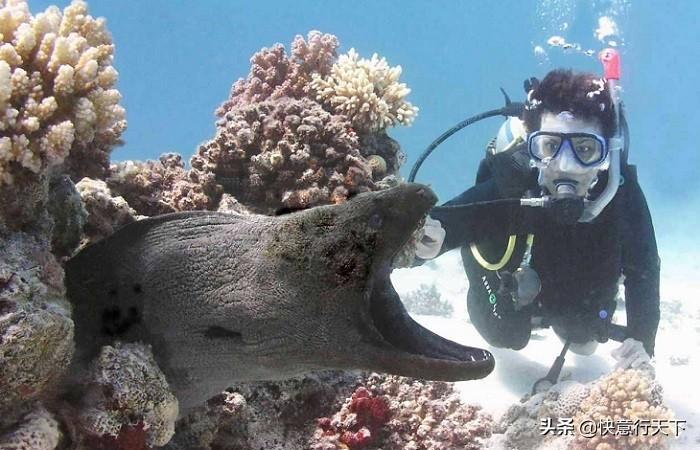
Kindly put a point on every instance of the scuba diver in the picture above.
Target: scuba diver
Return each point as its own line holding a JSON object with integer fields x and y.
{"x": 560, "y": 265}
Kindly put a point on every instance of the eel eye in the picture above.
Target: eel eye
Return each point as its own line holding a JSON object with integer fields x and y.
{"x": 375, "y": 221}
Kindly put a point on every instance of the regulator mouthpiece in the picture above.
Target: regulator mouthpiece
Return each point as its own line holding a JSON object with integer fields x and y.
{"x": 566, "y": 209}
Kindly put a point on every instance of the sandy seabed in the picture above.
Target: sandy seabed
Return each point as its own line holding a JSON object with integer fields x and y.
{"x": 676, "y": 355}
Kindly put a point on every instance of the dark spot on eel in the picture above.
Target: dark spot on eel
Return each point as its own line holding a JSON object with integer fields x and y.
{"x": 217, "y": 332}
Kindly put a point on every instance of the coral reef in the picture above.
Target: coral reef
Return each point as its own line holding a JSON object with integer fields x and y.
{"x": 421, "y": 415}
{"x": 38, "y": 430}
{"x": 250, "y": 416}
{"x": 427, "y": 300}
{"x": 105, "y": 212}
{"x": 366, "y": 91}
{"x": 356, "y": 425}
{"x": 57, "y": 101}
{"x": 125, "y": 400}
{"x": 373, "y": 411}
{"x": 59, "y": 114}
{"x": 276, "y": 147}
{"x": 621, "y": 399}
{"x": 623, "y": 395}
{"x": 285, "y": 153}
{"x": 163, "y": 186}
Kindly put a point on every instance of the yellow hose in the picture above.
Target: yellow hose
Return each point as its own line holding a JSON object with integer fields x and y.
{"x": 506, "y": 256}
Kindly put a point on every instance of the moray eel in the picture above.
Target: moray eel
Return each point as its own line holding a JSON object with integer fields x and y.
{"x": 223, "y": 297}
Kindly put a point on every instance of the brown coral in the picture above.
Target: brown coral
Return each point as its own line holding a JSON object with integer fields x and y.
{"x": 105, "y": 213}
{"x": 284, "y": 153}
{"x": 126, "y": 399}
{"x": 163, "y": 186}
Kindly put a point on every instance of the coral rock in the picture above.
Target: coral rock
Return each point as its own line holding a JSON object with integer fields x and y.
{"x": 69, "y": 216}
{"x": 36, "y": 332}
{"x": 163, "y": 186}
{"x": 105, "y": 212}
{"x": 38, "y": 430}
{"x": 393, "y": 412}
{"x": 624, "y": 394}
{"x": 126, "y": 401}
{"x": 251, "y": 416}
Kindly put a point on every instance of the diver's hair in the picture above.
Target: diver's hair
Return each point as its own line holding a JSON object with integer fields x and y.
{"x": 564, "y": 90}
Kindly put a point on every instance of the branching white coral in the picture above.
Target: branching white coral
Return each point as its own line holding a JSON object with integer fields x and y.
{"x": 367, "y": 91}
{"x": 56, "y": 88}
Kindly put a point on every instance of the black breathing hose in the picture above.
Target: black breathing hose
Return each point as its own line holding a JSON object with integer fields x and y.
{"x": 512, "y": 109}
{"x": 497, "y": 202}
{"x": 447, "y": 134}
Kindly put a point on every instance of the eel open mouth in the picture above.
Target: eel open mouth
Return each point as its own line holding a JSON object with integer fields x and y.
{"x": 405, "y": 347}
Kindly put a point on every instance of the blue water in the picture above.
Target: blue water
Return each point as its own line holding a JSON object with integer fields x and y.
{"x": 177, "y": 61}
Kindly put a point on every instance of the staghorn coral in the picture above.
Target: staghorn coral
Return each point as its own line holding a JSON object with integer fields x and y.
{"x": 285, "y": 153}
{"x": 38, "y": 430}
{"x": 163, "y": 186}
{"x": 367, "y": 91}
{"x": 105, "y": 213}
{"x": 623, "y": 395}
{"x": 57, "y": 101}
{"x": 422, "y": 415}
{"x": 126, "y": 402}
{"x": 273, "y": 75}
{"x": 427, "y": 300}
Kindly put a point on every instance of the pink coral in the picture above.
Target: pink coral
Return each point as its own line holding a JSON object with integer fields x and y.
{"x": 392, "y": 412}
{"x": 357, "y": 424}
{"x": 285, "y": 153}
{"x": 274, "y": 75}
{"x": 163, "y": 186}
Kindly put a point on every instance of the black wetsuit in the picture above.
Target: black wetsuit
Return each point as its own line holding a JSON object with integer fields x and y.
{"x": 579, "y": 265}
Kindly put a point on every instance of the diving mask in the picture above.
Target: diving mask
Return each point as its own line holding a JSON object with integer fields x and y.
{"x": 588, "y": 148}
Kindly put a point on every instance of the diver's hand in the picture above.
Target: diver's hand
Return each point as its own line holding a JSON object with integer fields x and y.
{"x": 631, "y": 355}
{"x": 430, "y": 244}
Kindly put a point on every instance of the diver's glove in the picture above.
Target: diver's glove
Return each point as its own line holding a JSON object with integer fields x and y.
{"x": 631, "y": 355}
{"x": 429, "y": 245}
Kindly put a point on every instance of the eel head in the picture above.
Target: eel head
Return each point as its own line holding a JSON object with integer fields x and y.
{"x": 357, "y": 321}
